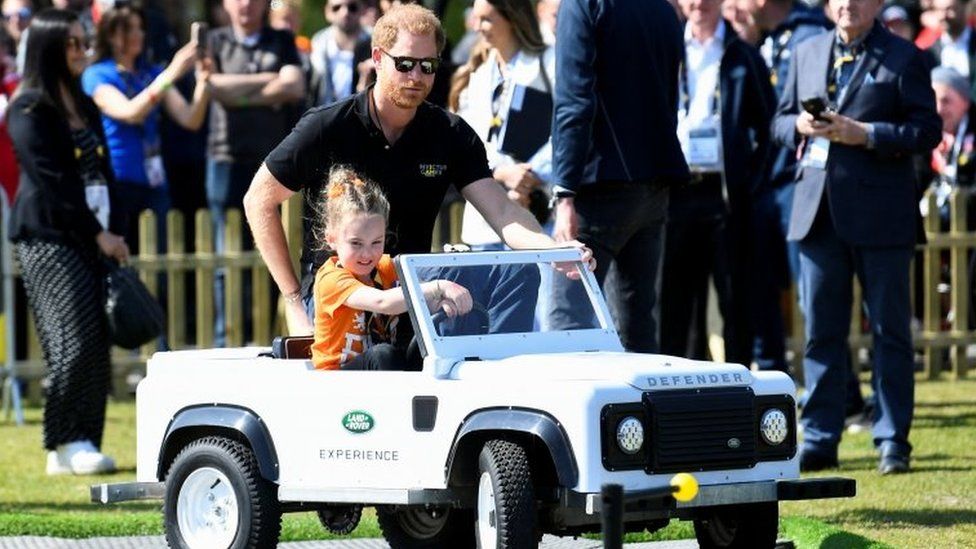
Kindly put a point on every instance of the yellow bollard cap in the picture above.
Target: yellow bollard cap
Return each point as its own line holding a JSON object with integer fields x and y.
{"x": 687, "y": 487}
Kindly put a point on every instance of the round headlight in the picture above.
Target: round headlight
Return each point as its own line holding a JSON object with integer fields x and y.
{"x": 773, "y": 426}
{"x": 630, "y": 435}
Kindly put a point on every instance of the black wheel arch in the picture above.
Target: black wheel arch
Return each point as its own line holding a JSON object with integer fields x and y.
{"x": 234, "y": 422}
{"x": 544, "y": 438}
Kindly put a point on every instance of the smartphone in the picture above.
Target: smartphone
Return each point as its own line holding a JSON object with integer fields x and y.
{"x": 815, "y": 106}
{"x": 198, "y": 34}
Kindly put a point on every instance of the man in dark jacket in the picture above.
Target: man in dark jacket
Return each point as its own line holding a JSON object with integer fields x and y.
{"x": 726, "y": 104}
{"x": 854, "y": 213}
{"x": 785, "y": 24}
{"x": 615, "y": 151}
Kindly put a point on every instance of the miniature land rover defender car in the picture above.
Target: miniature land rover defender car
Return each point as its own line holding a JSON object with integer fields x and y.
{"x": 509, "y": 431}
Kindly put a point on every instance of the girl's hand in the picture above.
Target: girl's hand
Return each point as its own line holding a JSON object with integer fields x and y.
{"x": 453, "y": 298}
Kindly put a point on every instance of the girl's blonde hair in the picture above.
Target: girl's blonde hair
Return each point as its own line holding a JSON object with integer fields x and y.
{"x": 346, "y": 193}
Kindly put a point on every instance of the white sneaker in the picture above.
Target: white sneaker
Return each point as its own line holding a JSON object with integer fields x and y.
{"x": 78, "y": 458}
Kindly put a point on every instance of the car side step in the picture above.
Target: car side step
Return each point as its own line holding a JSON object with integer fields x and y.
{"x": 127, "y": 491}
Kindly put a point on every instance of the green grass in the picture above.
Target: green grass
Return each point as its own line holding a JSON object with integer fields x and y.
{"x": 934, "y": 506}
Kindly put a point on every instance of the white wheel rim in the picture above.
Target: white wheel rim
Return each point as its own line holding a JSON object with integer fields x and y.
{"x": 487, "y": 514}
{"x": 206, "y": 509}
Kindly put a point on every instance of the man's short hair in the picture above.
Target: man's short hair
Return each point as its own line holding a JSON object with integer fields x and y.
{"x": 412, "y": 18}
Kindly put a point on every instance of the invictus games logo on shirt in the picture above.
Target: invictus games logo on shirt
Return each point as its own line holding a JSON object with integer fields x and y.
{"x": 358, "y": 422}
{"x": 432, "y": 170}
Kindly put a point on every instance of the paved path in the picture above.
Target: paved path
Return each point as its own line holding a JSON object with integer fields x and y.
{"x": 154, "y": 542}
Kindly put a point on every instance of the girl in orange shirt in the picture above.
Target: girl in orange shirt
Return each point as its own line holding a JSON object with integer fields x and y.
{"x": 356, "y": 301}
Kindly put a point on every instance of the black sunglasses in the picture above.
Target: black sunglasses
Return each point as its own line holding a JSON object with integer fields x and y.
{"x": 428, "y": 65}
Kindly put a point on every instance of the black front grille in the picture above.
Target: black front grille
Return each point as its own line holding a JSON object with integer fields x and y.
{"x": 701, "y": 430}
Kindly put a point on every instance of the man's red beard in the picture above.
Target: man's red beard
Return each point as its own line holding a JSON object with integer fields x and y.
{"x": 403, "y": 97}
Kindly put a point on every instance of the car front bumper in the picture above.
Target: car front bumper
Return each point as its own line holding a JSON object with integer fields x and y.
{"x": 728, "y": 494}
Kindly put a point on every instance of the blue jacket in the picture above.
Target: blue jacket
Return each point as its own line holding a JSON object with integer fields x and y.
{"x": 802, "y": 23}
{"x": 871, "y": 192}
{"x": 615, "y": 113}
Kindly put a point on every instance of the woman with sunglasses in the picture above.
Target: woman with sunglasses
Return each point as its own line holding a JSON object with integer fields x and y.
{"x": 129, "y": 92}
{"x": 511, "y": 61}
{"x": 62, "y": 224}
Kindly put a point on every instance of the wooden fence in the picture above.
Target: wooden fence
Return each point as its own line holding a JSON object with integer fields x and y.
{"x": 177, "y": 263}
{"x": 942, "y": 307}
{"x": 943, "y": 338}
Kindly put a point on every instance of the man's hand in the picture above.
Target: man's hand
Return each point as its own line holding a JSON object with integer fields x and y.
{"x": 566, "y": 225}
{"x": 454, "y": 299}
{"x": 565, "y": 231}
{"x": 518, "y": 177}
{"x": 844, "y": 130}
{"x": 519, "y": 198}
{"x": 297, "y": 318}
{"x": 809, "y": 126}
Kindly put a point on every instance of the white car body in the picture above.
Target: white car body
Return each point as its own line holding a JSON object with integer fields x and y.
{"x": 552, "y": 390}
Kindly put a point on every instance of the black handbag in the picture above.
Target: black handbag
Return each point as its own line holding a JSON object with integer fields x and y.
{"x": 134, "y": 315}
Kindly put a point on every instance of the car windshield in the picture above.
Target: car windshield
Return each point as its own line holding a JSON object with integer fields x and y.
{"x": 508, "y": 299}
{"x": 520, "y": 302}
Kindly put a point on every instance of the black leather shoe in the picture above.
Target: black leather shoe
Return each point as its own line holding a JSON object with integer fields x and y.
{"x": 893, "y": 464}
{"x": 814, "y": 461}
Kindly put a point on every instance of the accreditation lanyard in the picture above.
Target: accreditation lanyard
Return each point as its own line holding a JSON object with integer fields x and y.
{"x": 700, "y": 139}
{"x": 89, "y": 153}
{"x": 152, "y": 160}
{"x": 500, "y": 95}
{"x": 845, "y": 61}
{"x": 776, "y": 49}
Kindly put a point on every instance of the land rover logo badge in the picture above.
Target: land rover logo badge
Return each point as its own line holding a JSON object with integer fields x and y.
{"x": 358, "y": 422}
{"x": 733, "y": 443}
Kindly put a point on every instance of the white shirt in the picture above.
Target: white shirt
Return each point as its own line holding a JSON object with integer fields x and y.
{"x": 955, "y": 53}
{"x": 340, "y": 61}
{"x": 703, "y": 61}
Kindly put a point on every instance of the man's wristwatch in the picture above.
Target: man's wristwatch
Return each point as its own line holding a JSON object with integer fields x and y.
{"x": 557, "y": 194}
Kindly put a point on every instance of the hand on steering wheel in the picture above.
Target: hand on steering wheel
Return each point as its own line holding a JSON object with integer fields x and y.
{"x": 443, "y": 325}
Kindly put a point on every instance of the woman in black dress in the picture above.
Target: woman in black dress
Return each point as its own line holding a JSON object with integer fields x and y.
{"x": 62, "y": 227}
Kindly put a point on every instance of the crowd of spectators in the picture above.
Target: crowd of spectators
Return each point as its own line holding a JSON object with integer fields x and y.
{"x": 190, "y": 126}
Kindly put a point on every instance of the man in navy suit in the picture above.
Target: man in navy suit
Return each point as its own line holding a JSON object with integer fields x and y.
{"x": 854, "y": 213}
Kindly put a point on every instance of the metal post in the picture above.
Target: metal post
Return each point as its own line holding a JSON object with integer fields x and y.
{"x": 612, "y": 515}
{"x": 11, "y": 385}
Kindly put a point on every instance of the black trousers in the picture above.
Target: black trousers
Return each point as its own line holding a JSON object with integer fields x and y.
{"x": 705, "y": 241}
{"x": 623, "y": 223}
{"x": 384, "y": 357}
{"x": 65, "y": 291}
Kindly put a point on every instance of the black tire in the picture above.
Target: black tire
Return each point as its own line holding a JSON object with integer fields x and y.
{"x": 341, "y": 518}
{"x": 426, "y": 527}
{"x": 216, "y": 476}
{"x": 739, "y": 526}
{"x": 506, "y": 513}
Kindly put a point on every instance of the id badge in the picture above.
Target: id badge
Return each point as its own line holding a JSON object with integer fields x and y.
{"x": 701, "y": 144}
{"x": 818, "y": 149}
{"x": 154, "y": 170}
{"x": 96, "y": 196}
{"x": 703, "y": 147}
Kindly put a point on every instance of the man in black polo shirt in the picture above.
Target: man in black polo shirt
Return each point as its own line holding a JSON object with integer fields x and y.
{"x": 411, "y": 148}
